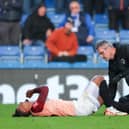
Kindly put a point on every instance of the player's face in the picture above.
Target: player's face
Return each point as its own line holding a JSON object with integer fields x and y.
{"x": 25, "y": 107}
{"x": 105, "y": 52}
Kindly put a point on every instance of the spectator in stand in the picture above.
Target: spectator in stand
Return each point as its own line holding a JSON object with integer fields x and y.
{"x": 37, "y": 27}
{"x": 91, "y": 5}
{"x": 118, "y": 11}
{"x": 63, "y": 44}
{"x": 10, "y": 15}
{"x": 83, "y": 26}
{"x": 29, "y": 5}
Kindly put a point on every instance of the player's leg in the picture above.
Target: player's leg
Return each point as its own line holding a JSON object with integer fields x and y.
{"x": 113, "y": 108}
{"x": 88, "y": 102}
{"x": 93, "y": 86}
{"x": 104, "y": 93}
{"x": 123, "y": 104}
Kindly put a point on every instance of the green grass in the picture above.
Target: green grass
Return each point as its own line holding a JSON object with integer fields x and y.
{"x": 96, "y": 121}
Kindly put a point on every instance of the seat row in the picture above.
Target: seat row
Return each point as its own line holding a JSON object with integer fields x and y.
{"x": 36, "y": 57}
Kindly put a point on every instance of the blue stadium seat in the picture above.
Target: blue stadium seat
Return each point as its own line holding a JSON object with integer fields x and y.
{"x": 56, "y": 18}
{"x": 101, "y": 29}
{"x": 33, "y": 53}
{"x": 31, "y": 64}
{"x": 9, "y": 53}
{"x": 86, "y": 50}
{"x": 90, "y": 65}
{"x": 50, "y": 3}
{"x": 124, "y": 36}
{"x": 109, "y": 35}
{"x": 57, "y": 65}
{"x": 101, "y": 21}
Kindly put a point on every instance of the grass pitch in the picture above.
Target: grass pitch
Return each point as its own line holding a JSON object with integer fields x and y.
{"x": 95, "y": 121}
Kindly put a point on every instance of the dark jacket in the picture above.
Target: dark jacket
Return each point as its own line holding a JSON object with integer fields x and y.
{"x": 83, "y": 31}
{"x": 10, "y": 10}
{"x": 115, "y": 4}
{"x": 120, "y": 63}
{"x": 36, "y": 26}
{"x": 119, "y": 67}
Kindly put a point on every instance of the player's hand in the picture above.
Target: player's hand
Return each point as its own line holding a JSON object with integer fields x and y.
{"x": 29, "y": 93}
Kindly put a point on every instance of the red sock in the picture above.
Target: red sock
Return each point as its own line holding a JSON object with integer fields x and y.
{"x": 39, "y": 104}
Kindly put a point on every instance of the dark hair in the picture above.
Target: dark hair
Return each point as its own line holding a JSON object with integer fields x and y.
{"x": 103, "y": 42}
{"x": 41, "y": 5}
{"x": 19, "y": 113}
{"x": 35, "y": 9}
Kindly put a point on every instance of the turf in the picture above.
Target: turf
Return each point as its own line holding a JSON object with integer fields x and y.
{"x": 95, "y": 121}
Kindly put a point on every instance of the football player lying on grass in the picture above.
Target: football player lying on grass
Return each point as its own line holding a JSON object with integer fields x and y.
{"x": 88, "y": 103}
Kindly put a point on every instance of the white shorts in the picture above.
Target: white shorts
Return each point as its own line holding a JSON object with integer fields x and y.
{"x": 87, "y": 103}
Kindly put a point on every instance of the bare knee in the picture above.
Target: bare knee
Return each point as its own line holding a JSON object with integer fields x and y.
{"x": 98, "y": 79}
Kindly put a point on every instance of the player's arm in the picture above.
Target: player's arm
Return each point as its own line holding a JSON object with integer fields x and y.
{"x": 38, "y": 105}
{"x": 29, "y": 93}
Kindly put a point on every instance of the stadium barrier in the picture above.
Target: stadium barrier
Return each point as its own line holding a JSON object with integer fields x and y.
{"x": 63, "y": 83}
